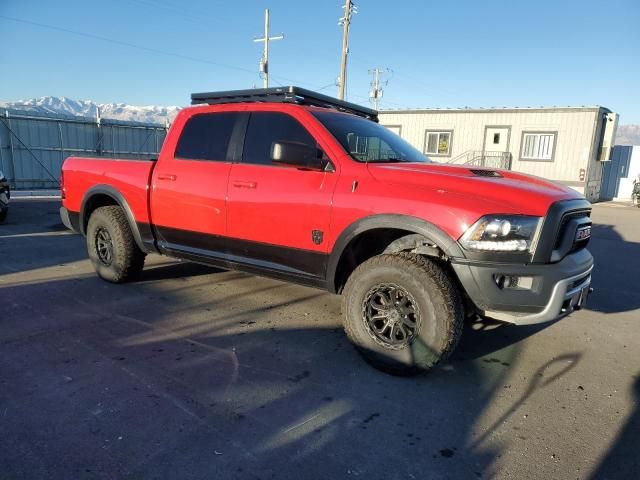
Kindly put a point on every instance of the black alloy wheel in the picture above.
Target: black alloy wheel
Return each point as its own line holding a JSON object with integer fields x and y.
{"x": 104, "y": 246}
{"x": 391, "y": 315}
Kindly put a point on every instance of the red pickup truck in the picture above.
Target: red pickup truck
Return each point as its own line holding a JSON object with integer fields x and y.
{"x": 299, "y": 186}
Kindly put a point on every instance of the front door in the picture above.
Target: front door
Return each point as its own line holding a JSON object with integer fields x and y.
{"x": 278, "y": 216}
{"x": 496, "y": 139}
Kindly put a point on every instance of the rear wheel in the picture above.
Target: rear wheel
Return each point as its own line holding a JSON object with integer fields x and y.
{"x": 403, "y": 313}
{"x": 3, "y": 214}
{"x": 111, "y": 246}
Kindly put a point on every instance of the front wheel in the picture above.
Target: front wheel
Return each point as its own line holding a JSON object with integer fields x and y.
{"x": 402, "y": 312}
{"x": 111, "y": 246}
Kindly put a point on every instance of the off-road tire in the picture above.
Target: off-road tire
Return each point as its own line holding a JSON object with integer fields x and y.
{"x": 440, "y": 306}
{"x": 127, "y": 258}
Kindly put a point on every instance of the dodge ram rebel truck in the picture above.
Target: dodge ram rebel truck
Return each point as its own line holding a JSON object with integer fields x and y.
{"x": 302, "y": 187}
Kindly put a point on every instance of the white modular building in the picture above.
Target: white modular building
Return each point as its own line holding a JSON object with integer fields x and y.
{"x": 565, "y": 144}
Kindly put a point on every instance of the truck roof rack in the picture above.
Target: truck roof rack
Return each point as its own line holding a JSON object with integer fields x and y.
{"x": 297, "y": 95}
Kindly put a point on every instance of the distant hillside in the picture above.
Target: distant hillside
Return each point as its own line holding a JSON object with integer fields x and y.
{"x": 628, "y": 135}
{"x": 88, "y": 108}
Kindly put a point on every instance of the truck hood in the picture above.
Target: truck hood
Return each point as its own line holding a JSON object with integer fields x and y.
{"x": 509, "y": 191}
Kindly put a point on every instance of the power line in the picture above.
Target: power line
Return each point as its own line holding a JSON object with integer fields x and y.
{"x": 176, "y": 11}
{"x": 143, "y": 48}
{"x": 127, "y": 44}
{"x": 367, "y": 99}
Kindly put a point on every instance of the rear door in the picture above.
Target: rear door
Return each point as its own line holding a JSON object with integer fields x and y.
{"x": 188, "y": 201}
{"x": 278, "y": 216}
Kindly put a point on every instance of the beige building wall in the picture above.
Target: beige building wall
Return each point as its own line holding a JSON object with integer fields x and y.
{"x": 578, "y": 135}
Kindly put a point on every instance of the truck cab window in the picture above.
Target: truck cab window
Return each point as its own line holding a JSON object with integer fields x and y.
{"x": 206, "y": 137}
{"x": 367, "y": 141}
{"x": 266, "y": 128}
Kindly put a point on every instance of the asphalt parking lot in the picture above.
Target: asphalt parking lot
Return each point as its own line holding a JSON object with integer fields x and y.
{"x": 193, "y": 372}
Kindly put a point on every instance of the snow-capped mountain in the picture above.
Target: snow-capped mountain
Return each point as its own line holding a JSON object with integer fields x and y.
{"x": 88, "y": 108}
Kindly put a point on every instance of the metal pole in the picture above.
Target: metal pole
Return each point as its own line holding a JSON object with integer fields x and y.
{"x": 266, "y": 48}
{"x": 61, "y": 139}
{"x": 98, "y": 133}
{"x": 13, "y": 153}
{"x": 264, "y": 64}
{"x": 346, "y": 21}
{"x": 376, "y": 87}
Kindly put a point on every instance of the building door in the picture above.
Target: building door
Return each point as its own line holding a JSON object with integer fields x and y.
{"x": 613, "y": 171}
{"x": 496, "y": 139}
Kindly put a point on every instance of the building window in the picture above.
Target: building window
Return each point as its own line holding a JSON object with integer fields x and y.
{"x": 538, "y": 146}
{"x": 362, "y": 144}
{"x": 438, "y": 143}
{"x": 496, "y": 138}
{"x": 397, "y": 129}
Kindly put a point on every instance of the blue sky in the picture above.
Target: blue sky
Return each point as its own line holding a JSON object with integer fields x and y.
{"x": 443, "y": 54}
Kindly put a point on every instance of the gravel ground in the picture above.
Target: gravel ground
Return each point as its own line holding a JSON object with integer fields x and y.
{"x": 194, "y": 372}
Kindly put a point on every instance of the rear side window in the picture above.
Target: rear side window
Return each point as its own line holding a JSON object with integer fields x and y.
{"x": 264, "y": 129}
{"x": 206, "y": 136}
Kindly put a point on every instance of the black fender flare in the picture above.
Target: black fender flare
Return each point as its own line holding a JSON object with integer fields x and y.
{"x": 431, "y": 232}
{"x": 109, "y": 191}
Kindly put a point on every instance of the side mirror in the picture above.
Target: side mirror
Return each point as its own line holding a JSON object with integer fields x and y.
{"x": 300, "y": 155}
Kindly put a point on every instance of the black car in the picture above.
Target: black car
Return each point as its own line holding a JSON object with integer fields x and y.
{"x": 5, "y": 195}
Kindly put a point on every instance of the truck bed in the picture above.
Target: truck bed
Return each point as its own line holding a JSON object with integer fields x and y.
{"x": 129, "y": 177}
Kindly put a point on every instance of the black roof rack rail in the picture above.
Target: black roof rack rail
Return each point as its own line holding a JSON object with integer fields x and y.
{"x": 297, "y": 95}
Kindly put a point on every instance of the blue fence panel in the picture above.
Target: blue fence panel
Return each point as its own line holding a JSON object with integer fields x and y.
{"x": 34, "y": 146}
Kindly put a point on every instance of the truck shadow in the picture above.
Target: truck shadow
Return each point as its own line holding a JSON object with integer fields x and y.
{"x": 622, "y": 460}
{"x": 261, "y": 373}
{"x": 617, "y": 262}
{"x": 201, "y": 373}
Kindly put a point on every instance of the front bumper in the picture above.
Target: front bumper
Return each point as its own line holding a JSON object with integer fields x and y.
{"x": 556, "y": 289}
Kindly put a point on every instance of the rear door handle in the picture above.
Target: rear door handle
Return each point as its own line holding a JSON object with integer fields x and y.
{"x": 242, "y": 184}
{"x": 171, "y": 178}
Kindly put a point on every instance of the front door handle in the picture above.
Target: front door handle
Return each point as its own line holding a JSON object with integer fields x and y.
{"x": 171, "y": 178}
{"x": 242, "y": 184}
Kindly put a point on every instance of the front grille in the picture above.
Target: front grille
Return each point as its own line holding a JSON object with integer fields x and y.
{"x": 562, "y": 231}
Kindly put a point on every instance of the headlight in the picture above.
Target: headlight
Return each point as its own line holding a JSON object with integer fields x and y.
{"x": 502, "y": 233}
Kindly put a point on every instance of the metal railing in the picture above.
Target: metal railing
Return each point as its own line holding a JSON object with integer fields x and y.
{"x": 479, "y": 158}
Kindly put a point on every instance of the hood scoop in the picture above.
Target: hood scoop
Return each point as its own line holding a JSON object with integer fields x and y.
{"x": 485, "y": 173}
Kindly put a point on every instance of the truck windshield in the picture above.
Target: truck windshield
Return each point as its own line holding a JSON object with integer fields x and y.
{"x": 367, "y": 141}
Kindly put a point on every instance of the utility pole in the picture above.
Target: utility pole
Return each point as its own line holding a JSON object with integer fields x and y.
{"x": 345, "y": 21}
{"x": 375, "y": 94}
{"x": 264, "y": 61}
